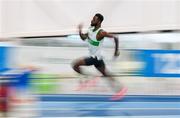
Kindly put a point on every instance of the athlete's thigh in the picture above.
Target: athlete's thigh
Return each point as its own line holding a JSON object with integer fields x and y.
{"x": 100, "y": 66}
{"x": 89, "y": 61}
{"x": 86, "y": 61}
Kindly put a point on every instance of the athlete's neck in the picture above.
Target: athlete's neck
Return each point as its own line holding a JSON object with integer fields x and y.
{"x": 96, "y": 27}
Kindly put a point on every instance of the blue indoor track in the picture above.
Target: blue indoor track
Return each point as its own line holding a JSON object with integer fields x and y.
{"x": 138, "y": 106}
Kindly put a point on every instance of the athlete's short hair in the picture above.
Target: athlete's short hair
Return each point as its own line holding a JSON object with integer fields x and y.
{"x": 100, "y": 16}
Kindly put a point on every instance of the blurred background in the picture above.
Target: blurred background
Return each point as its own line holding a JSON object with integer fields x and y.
{"x": 39, "y": 41}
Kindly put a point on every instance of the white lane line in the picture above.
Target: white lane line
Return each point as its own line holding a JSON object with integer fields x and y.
{"x": 75, "y": 109}
{"x": 119, "y": 102}
{"x": 143, "y": 96}
{"x": 154, "y": 116}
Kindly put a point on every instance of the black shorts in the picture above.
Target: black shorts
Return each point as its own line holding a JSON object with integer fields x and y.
{"x": 94, "y": 61}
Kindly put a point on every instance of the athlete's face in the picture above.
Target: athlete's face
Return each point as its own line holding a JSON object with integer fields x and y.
{"x": 95, "y": 21}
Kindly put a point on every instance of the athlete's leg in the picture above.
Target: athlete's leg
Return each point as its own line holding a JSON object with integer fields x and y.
{"x": 84, "y": 83}
{"x": 82, "y": 62}
{"x": 76, "y": 65}
{"x": 114, "y": 83}
{"x": 101, "y": 67}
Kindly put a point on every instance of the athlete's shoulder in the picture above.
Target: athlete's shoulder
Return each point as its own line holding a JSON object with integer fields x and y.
{"x": 102, "y": 32}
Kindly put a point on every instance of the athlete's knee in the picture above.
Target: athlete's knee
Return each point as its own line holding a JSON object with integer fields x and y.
{"x": 76, "y": 66}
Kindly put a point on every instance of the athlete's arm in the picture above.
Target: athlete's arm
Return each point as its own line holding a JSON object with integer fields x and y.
{"x": 83, "y": 36}
{"x": 103, "y": 34}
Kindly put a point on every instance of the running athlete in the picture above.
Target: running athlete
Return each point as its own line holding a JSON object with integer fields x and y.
{"x": 94, "y": 37}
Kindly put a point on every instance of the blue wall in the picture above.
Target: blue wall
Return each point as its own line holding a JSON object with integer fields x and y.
{"x": 159, "y": 63}
{"x": 3, "y": 57}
